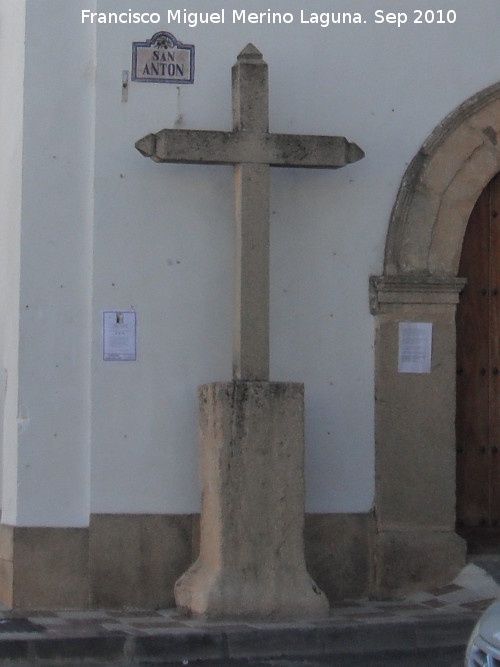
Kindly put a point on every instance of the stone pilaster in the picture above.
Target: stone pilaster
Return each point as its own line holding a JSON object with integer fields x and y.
{"x": 416, "y": 544}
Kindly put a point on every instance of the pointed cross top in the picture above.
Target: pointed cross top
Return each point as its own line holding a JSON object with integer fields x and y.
{"x": 252, "y": 149}
{"x": 250, "y": 52}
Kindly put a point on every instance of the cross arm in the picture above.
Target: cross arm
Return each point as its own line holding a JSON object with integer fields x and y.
{"x": 278, "y": 150}
{"x": 310, "y": 150}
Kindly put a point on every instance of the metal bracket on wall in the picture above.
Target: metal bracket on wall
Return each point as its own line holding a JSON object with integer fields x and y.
{"x": 125, "y": 77}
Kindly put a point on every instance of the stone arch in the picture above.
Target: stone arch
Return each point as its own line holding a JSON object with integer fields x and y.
{"x": 440, "y": 187}
{"x": 416, "y": 544}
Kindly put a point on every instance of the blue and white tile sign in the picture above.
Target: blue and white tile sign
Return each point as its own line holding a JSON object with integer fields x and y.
{"x": 162, "y": 59}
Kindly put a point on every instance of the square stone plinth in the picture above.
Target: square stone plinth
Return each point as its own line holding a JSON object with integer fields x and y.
{"x": 251, "y": 561}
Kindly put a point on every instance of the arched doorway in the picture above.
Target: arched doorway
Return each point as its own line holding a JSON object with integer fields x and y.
{"x": 415, "y": 446}
{"x": 478, "y": 377}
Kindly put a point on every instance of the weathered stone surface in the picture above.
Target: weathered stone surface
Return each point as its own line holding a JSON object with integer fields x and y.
{"x": 251, "y": 560}
{"x": 415, "y": 450}
{"x": 7, "y": 565}
{"x": 414, "y": 427}
{"x": 136, "y": 559}
{"x": 277, "y": 150}
{"x": 411, "y": 560}
{"x": 444, "y": 164}
{"x": 417, "y": 290}
{"x": 44, "y": 567}
{"x": 340, "y": 553}
{"x": 251, "y": 267}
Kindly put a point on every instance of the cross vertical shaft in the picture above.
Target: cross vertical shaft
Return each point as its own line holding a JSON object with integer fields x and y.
{"x": 251, "y": 187}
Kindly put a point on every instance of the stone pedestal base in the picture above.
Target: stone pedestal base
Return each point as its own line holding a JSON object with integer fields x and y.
{"x": 251, "y": 560}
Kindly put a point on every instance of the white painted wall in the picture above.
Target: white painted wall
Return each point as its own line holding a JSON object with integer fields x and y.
{"x": 162, "y": 243}
{"x": 12, "y": 19}
{"x": 51, "y": 483}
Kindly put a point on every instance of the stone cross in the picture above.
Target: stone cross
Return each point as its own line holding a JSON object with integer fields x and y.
{"x": 252, "y": 149}
{"x": 251, "y": 561}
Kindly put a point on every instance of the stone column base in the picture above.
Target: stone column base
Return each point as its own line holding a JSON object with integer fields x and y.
{"x": 416, "y": 559}
{"x": 251, "y": 560}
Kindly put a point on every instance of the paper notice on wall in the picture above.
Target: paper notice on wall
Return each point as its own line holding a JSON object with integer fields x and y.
{"x": 415, "y": 347}
{"x": 119, "y": 335}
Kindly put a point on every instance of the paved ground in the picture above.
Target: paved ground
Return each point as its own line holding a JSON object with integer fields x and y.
{"x": 430, "y": 627}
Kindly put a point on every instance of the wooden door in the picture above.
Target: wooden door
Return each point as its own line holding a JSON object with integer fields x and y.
{"x": 478, "y": 375}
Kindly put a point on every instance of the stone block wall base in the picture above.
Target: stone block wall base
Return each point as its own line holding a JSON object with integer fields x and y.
{"x": 413, "y": 560}
{"x": 119, "y": 561}
{"x": 339, "y": 553}
{"x": 251, "y": 560}
{"x": 134, "y": 560}
{"x": 44, "y": 568}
